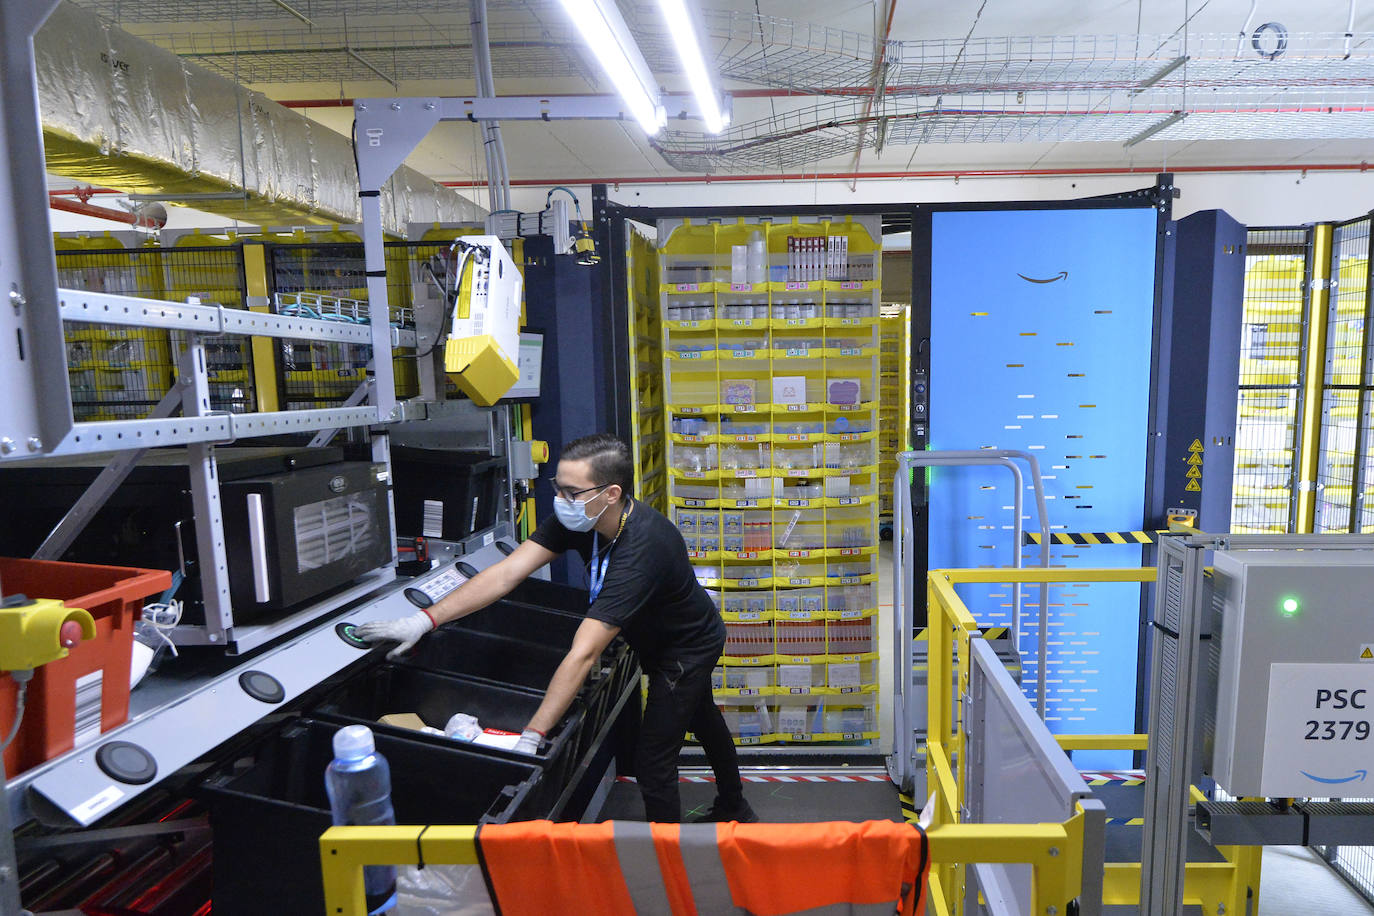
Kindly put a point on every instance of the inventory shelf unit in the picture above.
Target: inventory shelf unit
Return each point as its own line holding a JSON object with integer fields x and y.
{"x": 119, "y": 372}
{"x": 771, "y": 389}
{"x": 647, "y": 439}
{"x": 894, "y": 378}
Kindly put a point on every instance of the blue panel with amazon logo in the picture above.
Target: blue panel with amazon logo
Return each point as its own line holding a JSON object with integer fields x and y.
{"x": 1041, "y": 329}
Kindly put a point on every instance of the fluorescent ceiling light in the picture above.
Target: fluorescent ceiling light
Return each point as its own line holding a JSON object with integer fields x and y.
{"x": 604, "y": 30}
{"x": 684, "y": 34}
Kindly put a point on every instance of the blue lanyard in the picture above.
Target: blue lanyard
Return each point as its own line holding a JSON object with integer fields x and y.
{"x": 598, "y": 576}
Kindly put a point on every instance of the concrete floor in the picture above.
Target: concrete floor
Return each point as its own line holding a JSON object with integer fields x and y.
{"x": 1293, "y": 879}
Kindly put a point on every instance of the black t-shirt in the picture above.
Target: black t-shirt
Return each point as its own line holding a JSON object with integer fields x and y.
{"x": 650, "y": 591}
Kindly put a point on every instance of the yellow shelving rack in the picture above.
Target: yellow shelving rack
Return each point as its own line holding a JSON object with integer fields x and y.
{"x": 893, "y": 415}
{"x": 771, "y": 392}
{"x": 647, "y": 439}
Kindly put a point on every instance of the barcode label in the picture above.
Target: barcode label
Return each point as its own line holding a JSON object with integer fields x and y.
{"x": 442, "y": 584}
{"x": 433, "y": 524}
{"x": 86, "y": 721}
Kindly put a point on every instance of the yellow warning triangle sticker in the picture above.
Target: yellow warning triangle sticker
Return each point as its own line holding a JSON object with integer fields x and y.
{"x": 1193, "y": 487}
{"x": 1196, "y": 446}
{"x": 1194, "y": 473}
{"x": 1195, "y": 459}
{"x": 1367, "y": 653}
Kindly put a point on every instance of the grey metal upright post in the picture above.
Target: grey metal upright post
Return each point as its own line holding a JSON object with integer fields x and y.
{"x": 34, "y": 416}
{"x": 1174, "y": 634}
{"x": 378, "y": 309}
{"x": 9, "y": 863}
{"x": 212, "y": 560}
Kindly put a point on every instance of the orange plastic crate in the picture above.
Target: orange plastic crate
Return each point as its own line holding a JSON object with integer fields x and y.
{"x": 114, "y": 596}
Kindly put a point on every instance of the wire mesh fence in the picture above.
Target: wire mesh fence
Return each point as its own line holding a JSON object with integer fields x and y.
{"x": 1345, "y": 454}
{"x": 121, "y": 373}
{"x": 1276, "y": 271}
{"x": 1354, "y": 863}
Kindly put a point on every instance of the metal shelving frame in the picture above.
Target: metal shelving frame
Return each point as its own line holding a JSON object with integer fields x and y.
{"x": 180, "y": 719}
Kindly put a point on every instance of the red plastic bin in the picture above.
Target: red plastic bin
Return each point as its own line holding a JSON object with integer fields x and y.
{"x": 114, "y": 596}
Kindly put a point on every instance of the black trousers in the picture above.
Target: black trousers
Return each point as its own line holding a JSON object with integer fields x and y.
{"x": 680, "y": 701}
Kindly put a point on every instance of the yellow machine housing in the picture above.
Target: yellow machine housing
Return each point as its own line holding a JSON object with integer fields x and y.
{"x": 30, "y": 634}
{"x": 483, "y": 347}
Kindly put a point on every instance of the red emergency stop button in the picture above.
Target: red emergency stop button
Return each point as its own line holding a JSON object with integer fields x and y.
{"x": 70, "y": 634}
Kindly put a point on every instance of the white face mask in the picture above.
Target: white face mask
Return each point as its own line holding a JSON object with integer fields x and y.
{"x": 573, "y": 513}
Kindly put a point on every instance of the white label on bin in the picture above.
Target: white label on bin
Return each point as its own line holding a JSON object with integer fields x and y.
{"x": 442, "y": 584}
{"x": 844, "y": 675}
{"x": 433, "y": 524}
{"x": 86, "y": 721}
{"x": 87, "y": 811}
{"x": 488, "y": 539}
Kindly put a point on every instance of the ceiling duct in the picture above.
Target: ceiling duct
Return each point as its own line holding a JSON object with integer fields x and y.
{"x": 120, "y": 112}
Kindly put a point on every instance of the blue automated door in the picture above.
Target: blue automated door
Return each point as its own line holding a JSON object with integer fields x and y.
{"x": 1041, "y": 329}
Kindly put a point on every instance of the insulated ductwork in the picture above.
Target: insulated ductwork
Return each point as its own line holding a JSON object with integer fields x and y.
{"x": 123, "y": 113}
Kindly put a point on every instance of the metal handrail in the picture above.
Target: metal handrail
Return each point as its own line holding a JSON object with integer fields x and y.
{"x": 903, "y": 613}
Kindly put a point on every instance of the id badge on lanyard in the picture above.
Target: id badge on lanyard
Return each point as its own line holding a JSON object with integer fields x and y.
{"x": 597, "y": 574}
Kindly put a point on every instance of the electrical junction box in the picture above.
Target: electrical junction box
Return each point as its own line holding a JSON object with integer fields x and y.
{"x": 483, "y": 349}
{"x": 1295, "y": 695}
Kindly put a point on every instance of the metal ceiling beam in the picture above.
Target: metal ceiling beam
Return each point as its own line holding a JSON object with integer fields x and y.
{"x": 1161, "y": 73}
{"x": 1153, "y": 129}
{"x": 293, "y": 11}
{"x": 1066, "y": 172}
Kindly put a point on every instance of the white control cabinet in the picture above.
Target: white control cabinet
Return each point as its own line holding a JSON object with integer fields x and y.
{"x": 1295, "y": 698}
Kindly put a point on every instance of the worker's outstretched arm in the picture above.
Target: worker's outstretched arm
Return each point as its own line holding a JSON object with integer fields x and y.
{"x": 491, "y": 584}
{"x": 488, "y": 586}
{"x": 589, "y": 642}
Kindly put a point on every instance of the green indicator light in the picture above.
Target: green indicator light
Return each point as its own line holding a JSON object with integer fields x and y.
{"x": 1289, "y": 606}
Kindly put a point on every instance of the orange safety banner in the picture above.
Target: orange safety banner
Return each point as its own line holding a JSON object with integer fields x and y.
{"x": 535, "y": 868}
{"x": 773, "y": 868}
{"x": 676, "y": 884}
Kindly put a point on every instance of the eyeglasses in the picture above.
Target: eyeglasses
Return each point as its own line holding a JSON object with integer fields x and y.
{"x": 571, "y": 495}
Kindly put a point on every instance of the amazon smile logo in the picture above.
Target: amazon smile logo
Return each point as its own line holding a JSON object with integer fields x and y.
{"x": 1359, "y": 776}
{"x": 1063, "y": 275}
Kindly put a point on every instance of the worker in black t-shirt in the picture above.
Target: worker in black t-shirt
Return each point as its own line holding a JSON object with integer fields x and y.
{"x": 642, "y": 585}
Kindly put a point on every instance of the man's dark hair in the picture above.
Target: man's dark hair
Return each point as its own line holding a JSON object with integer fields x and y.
{"x": 608, "y": 458}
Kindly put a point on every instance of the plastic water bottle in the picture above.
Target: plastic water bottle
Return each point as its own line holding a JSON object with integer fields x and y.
{"x": 756, "y": 258}
{"x": 358, "y": 782}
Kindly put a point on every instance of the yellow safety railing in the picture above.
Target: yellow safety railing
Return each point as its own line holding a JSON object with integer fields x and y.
{"x": 1218, "y": 887}
{"x": 1053, "y": 850}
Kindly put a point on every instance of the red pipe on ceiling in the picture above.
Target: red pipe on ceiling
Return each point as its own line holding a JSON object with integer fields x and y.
{"x": 947, "y": 173}
{"x": 83, "y": 193}
{"x": 58, "y": 202}
{"x": 118, "y": 216}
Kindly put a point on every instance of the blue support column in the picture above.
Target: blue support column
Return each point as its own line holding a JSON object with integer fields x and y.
{"x": 1199, "y": 366}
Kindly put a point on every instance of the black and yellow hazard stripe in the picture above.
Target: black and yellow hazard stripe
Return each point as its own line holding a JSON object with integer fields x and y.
{"x": 910, "y": 813}
{"x": 1125, "y": 822}
{"x": 1094, "y": 538}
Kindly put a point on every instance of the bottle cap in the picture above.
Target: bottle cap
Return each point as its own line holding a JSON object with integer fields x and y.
{"x": 353, "y": 741}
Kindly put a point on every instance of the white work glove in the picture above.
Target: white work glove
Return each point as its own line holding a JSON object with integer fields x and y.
{"x": 529, "y": 741}
{"x": 406, "y": 631}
